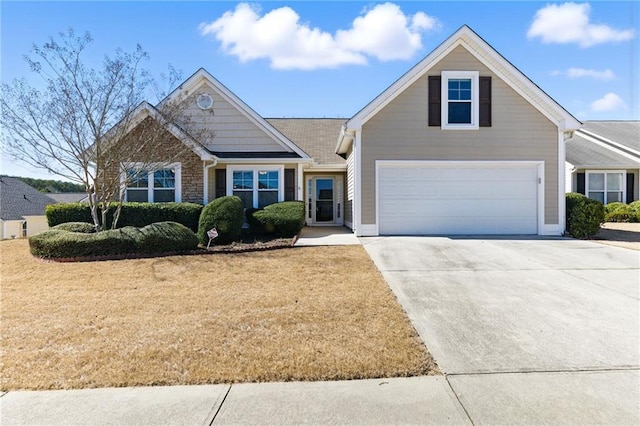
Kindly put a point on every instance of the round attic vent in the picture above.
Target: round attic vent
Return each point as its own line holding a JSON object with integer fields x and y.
{"x": 204, "y": 101}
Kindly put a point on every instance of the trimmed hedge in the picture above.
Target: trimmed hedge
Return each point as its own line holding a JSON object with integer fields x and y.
{"x": 83, "y": 227}
{"x": 132, "y": 214}
{"x": 619, "y": 212}
{"x": 584, "y": 215}
{"x": 283, "y": 219}
{"x": 226, "y": 214}
{"x": 156, "y": 238}
{"x": 635, "y": 206}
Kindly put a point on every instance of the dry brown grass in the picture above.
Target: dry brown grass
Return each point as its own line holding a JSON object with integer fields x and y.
{"x": 315, "y": 313}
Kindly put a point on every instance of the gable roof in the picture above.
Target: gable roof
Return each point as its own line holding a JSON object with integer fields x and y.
{"x": 607, "y": 144}
{"x": 489, "y": 57}
{"x": 17, "y": 199}
{"x": 145, "y": 110}
{"x": 316, "y": 136}
{"x": 202, "y": 76}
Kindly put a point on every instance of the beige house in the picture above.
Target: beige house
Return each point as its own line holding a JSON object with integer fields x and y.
{"x": 262, "y": 161}
{"x": 463, "y": 143}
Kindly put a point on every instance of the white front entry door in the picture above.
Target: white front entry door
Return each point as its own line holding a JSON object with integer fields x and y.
{"x": 324, "y": 200}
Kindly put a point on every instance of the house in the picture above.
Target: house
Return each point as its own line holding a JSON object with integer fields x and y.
{"x": 463, "y": 143}
{"x": 603, "y": 161}
{"x": 260, "y": 160}
{"x": 21, "y": 209}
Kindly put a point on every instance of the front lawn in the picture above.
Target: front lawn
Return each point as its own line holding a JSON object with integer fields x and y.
{"x": 307, "y": 313}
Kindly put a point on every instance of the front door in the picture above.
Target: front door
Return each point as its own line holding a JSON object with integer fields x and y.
{"x": 324, "y": 200}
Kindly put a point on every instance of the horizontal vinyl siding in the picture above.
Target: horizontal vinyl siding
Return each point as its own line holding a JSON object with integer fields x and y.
{"x": 231, "y": 130}
{"x": 350, "y": 187}
{"x": 518, "y": 132}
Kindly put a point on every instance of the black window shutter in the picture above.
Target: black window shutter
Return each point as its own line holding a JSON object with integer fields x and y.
{"x": 485, "y": 102}
{"x": 580, "y": 184}
{"x": 434, "y": 100}
{"x": 289, "y": 184}
{"x": 221, "y": 182}
{"x": 630, "y": 187}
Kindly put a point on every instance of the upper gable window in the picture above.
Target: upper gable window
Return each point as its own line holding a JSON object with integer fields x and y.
{"x": 460, "y": 99}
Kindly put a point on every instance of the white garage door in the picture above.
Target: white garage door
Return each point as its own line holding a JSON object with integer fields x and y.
{"x": 463, "y": 198}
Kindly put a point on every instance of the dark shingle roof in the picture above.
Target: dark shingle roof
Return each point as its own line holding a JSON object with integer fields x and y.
{"x": 625, "y": 133}
{"x": 315, "y": 136}
{"x": 17, "y": 199}
{"x": 68, "y": 197}
{"x": 605, "y": 144}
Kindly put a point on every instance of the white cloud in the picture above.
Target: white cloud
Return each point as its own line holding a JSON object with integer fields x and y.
{"x": 383, "y": 32}
{"x": 609, "y": 102}
{"x": 604, "y": 75}
{"x": 570, "y": 23}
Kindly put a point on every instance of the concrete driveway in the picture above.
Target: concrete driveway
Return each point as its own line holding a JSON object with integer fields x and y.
{"x": 536, "y": 330}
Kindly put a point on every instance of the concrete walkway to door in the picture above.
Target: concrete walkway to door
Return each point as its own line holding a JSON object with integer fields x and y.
{"x": 327, "y": 236}
{"x": 526, "y": 330}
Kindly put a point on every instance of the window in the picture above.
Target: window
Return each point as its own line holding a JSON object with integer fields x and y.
{"x": 157, "y": 186}
{"x": 460, "y": 100}
{"x": 256, "y": 187}
{"x": 138, "y": 189}
{"x": 267, "y": 187}
{"x": 605, "y": 187}
{"x": 243, "y": 187}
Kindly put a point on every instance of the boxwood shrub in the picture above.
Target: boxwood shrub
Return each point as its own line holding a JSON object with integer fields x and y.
{"x": 619, "y": 212}
{"x": 584, "y": 215}
{"x": 635, "y": 206}
{"x": 132, "y": 214}
{"x": 226, "y": 214}
{"x": 157, "y": 238}
{"x": 283, "y": 219}
{"x": 83, "y": 227}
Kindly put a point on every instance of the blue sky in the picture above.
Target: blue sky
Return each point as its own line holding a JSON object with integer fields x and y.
{"x": 329, "y": 59}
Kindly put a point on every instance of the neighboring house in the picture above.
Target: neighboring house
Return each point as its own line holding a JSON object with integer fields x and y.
{"x": 21, "y": 209}
{"x": 463, "y": 143}
{"x": 603, "y": 161}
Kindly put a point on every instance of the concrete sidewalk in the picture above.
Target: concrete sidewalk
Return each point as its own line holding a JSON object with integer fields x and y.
{"x": 416, "y": 400}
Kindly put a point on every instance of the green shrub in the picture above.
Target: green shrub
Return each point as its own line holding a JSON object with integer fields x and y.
{"x": 609, "y": 208}
{"x": 67, "y": 212}
{"x": 584, "y": 215}
{"x": 635, "y": 206}
{"x": 619, "y": 212}
{"x": 284, "y": 219}
{"x": 157, "y": 238}
{"x": 226, "y": 214}
{"x": 83, "y": 227}
{"x": 132, "y": 214}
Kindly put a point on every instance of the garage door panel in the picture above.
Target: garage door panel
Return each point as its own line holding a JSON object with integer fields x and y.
{"x": 460, "y": 225}
{"x": 458, "y": 200}
{"x": 455, "y": 190}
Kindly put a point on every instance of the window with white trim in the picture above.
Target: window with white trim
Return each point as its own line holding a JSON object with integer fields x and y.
{"x": 256, "y": 186}
{"x": 460, "y": 107}
{"x": 153, "y": 186}
{"x": 606, "y": 186}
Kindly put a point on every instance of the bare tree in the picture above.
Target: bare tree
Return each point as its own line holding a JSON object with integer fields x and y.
{"x": 89, "y": 125}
